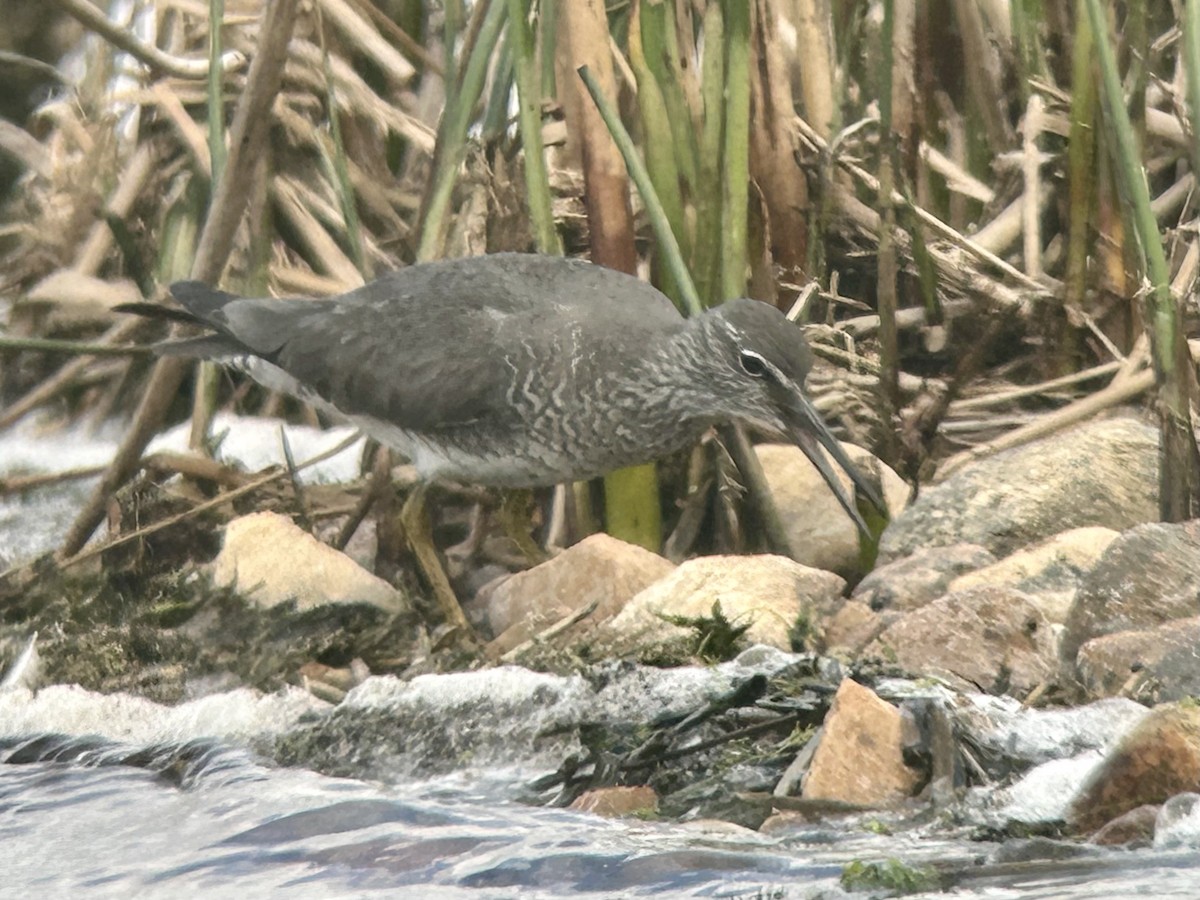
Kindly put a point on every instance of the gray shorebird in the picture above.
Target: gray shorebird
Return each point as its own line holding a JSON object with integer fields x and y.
{"x": 519, "y": 371}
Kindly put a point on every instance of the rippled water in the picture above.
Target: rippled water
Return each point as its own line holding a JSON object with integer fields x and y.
{"x": 83, "y": 817}
{"x": 113, "y": 796}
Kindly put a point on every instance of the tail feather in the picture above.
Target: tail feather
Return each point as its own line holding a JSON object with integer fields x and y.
{"x": 210, "y": 346}
{"x": 201, "y": 300}
{"x": 201, "y": 307}
{"x": 158, "y": 311}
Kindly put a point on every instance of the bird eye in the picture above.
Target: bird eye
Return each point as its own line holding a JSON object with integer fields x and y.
{"x": 753, "y": 364}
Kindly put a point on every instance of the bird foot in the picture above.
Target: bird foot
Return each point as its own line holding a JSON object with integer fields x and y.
{"x": 414, "y": 516}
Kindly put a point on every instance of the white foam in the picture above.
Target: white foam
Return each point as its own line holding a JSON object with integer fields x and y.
{"x": 236, "y": 715}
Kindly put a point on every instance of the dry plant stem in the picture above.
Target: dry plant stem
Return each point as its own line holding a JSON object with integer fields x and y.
{"x": 134, "y": 178}
{"x": 219, "y": 500}
{"x": 606, "y": 186}
{"x": 958, "y": 179}
{"x": 323, "y": 249}
{"x": 72, "y": 348}
{"x": 1117, "y": 393}
{"x": 1031, "y": 204}
{"x": 399, "y": 35}
{"x": 998, "y": 397}
{"x": 361, "y": 35}
{"x": 19, "y": 483}
{"x": 122, "y": 38}
{"x": 197, "y": 467}
{"x": 815, "y": 46}
{"x": 381, "y": 477}
{"x": 51, "y": 387}
{"x": 544, "y": 637}
{"x": 631, "y": 495}
{"x": 25, "y": 148}
{"x": 925, "y": 216}
{"x": 248, "y": 134}
{"x": 985, "y": 81}
{"x": 307, "y": 64}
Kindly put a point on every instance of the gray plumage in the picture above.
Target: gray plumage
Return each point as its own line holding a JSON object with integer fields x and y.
{"x": 518, "y": 370}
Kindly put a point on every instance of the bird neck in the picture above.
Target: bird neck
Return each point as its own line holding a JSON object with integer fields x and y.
{"x": 691, "y": 374}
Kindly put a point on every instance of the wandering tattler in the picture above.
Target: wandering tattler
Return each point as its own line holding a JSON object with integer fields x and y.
{"x": 517, "y": 370}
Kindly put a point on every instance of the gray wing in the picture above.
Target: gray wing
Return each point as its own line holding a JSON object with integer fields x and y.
{"x": 427, "y": 347}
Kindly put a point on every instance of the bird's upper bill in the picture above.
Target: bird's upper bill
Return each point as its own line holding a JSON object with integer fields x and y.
{"x": 810, "y": 433}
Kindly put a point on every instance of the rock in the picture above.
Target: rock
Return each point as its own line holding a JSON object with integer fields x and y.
{"x": 1155, "y": 665}
{"x": 616, "y": 802}
{"x": 1133, "y": 829}
{"x": 859, "y": 759}
{"x": 1177, "y": 824}
{"x": 770, "y": 592}
{"x": 921, "y": 578}
{"x": 598, "y": 569}
{"x": 994, "y": 639}
{"x": 1147, "y": 576}
{"x": 266, "y": 557}
{"x": 1008, "y": 737}
{"x": 1104, "y": 472}
{"x": 853, "y": 627}
{"x": 1159, "y": 758}
{"x": 1050, "y": 572}
{"x": 820, "y": 533}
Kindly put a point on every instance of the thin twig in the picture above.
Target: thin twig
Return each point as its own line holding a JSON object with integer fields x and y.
{"x": 543, "y": 637}
{"x": 73, "y": 348}
{"x": 122, "y": 38}
{"x": 928, "y": 218}
{"x": 216, "y": 501}
{"x": 17, "y": 484}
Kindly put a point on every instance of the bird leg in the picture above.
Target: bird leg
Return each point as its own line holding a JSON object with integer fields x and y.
{"x": 414, "y": 516}
{"x": 516, "y": 518}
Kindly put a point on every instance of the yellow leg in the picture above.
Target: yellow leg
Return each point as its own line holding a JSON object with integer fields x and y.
{"x": 516, "y": 517}
{"x": 414, "y": 516}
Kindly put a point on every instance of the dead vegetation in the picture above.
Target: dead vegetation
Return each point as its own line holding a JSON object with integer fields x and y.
{"x": 937, "y": 188}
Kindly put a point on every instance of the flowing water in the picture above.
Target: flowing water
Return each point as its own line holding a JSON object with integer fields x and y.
{"x": 114, "y": 796}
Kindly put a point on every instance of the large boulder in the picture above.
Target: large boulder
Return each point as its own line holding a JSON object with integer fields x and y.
{"x": 1159, "y": 758}
{"x": 988, "y": 639}
{"x": 819, "y": 532}
{"x": 1104, "y": 473}
{"x": 921, "y": 578}
{"x": 599, "y": 570}
{"x": 1153, "y": 665}
{"x": 1147, "y": 576}
{"x": 771, "y": 594}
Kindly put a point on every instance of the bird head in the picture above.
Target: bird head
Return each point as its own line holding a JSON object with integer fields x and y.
{"x": 760, "y": 361}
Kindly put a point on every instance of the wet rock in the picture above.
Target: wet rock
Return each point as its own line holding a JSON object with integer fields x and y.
{"x": 599, "y": 569}
{"x": 1147, "y": 576}
{"x": 1103, "y": 473}
{"x": 616, "y": 802}
{"x": 1178, "y": 824}
{"x": 1008, "y": 736}
{"x": 1132, "y": 829}
{"x": 921, "y": 578}
{"x": 994, "y": 639}
{"x": 859, "y": 759}
{"x": 1156, "y": 665}
{"x": 266, "y": 557}
{"x": 819, "y": 531}
{"x": 769, "y": 593}
{"x": 1050, "y": 572}
{"x": 1159, "y": 758}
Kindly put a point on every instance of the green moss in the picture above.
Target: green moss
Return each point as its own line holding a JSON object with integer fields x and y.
{"x": 893, "y": 876}
{"x": 715, "y": 638}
